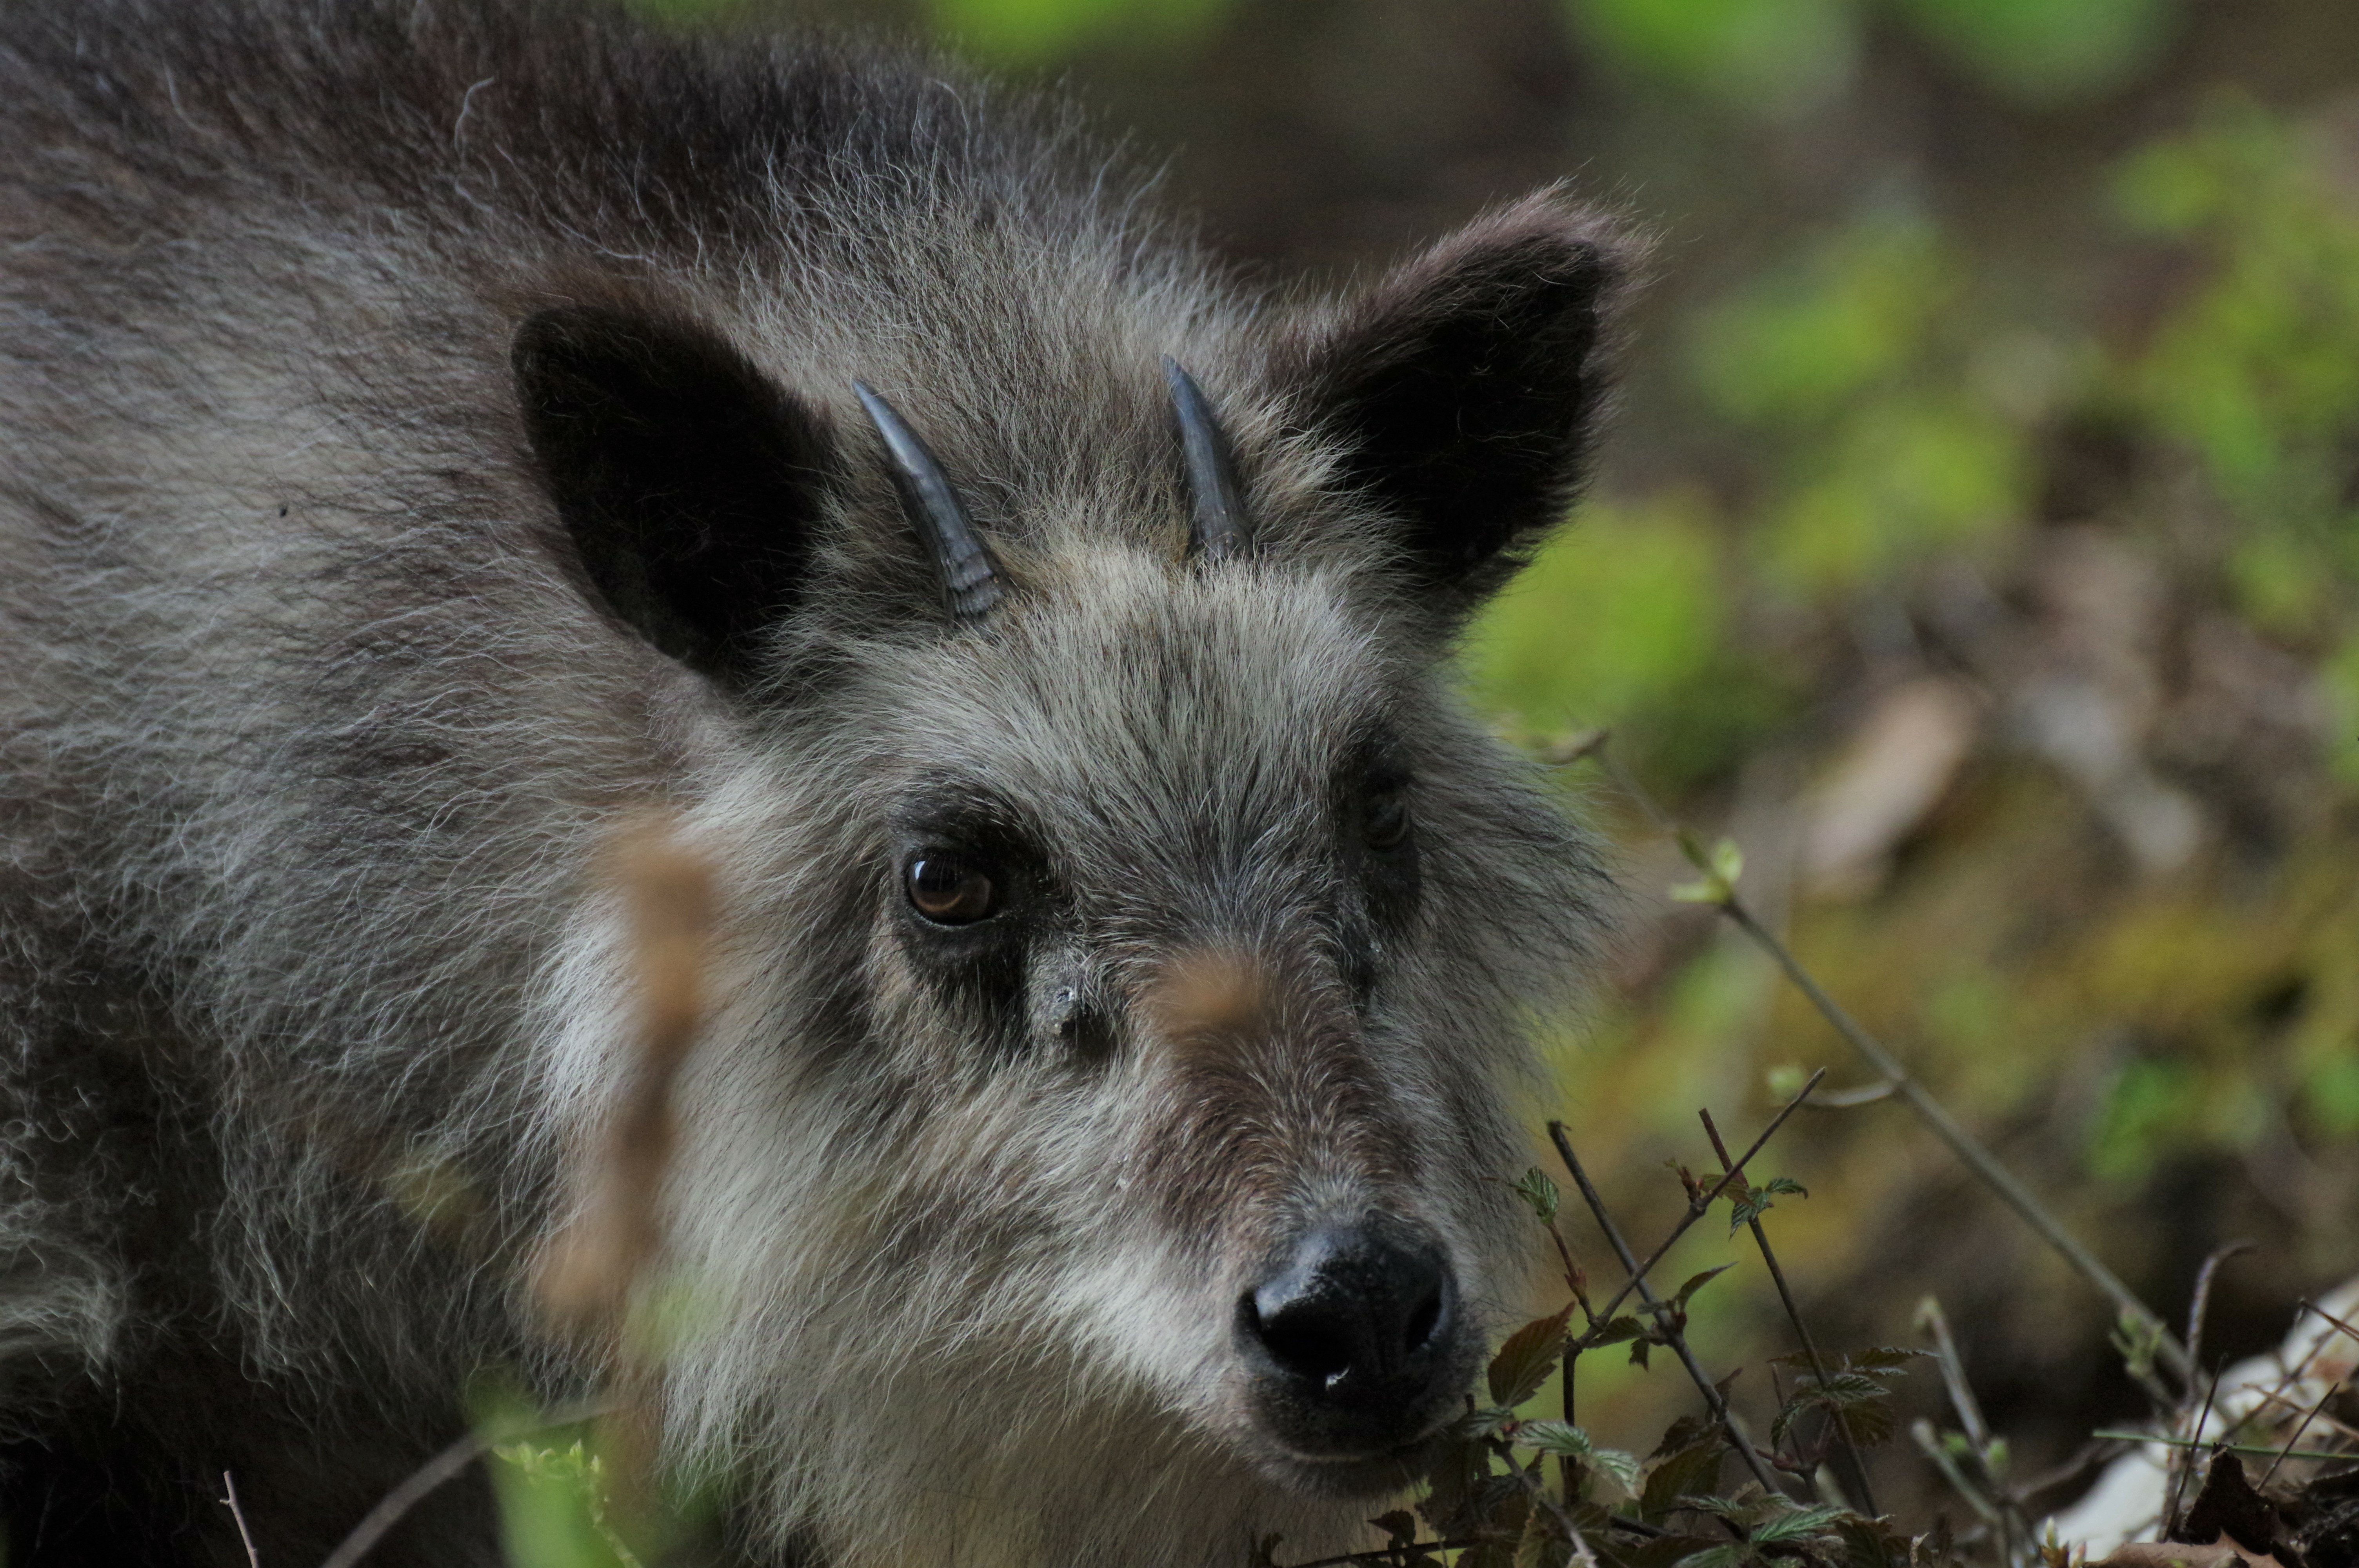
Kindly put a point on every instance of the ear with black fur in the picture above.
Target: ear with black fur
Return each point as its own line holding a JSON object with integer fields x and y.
{"x": 1465, "y": 387}
{"x": 690, "y": 484}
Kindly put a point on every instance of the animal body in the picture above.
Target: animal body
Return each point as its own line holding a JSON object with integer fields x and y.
{"x": 428, "y": 438}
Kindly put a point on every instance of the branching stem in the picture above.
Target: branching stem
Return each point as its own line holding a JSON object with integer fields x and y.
{"x": 1665, "y": 1319}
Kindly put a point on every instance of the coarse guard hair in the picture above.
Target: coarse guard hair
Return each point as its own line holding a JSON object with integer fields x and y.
{"x": 434, "y": 432}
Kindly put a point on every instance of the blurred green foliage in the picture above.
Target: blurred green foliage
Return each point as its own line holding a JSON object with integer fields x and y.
{"x": 1028, "y": 31}
{"x": 553, "y": 1505}
{"x": 1779, "y": 58}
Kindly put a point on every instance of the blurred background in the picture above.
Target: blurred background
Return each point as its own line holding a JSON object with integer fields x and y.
{"x": 1978, "y": 545}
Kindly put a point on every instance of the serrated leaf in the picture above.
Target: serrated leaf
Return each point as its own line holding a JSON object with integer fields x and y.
{"x": 1486, "y": 1422}
{"x": 1884, "y": 1358}
{"x": 1695, "y": 1468}
{"x": 1719, "y": 1508}
{"x": 1539, "y": 1193}
{"x": 1847, "y": 1388}
{"x": 1618, "y": 1467}
{"x": 1870, "y": 1424}
{"x": 1786, "y": 1186}
{"x": 1800, "y": 1525}
{"x": 1526, "y": 1359}
{"x": 1684, "y": 1432}
{"x": 1399, "y": 1527}
{"x": 1697, "y": 1283}
{"x": 1557, "y": 1437}
{"x": 1541, "y": 1545}
{"x": 1638, "y": 1352}
{"x": 1867, "y": 1544}
{"x": 1616, "y": 1330}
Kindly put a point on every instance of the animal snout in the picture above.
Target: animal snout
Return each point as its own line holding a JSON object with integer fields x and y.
{"x": 1354, "y": 1340}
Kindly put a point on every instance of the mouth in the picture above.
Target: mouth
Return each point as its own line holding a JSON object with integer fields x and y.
{"x": 1355, "y": 1475}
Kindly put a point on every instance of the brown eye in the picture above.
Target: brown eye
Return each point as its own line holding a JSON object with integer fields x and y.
{"x": 1385, "y": 824}
{"x": 949, "y": 891}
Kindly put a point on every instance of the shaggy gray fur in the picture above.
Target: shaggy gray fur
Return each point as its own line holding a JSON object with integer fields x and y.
{"x": 318, "y": 711}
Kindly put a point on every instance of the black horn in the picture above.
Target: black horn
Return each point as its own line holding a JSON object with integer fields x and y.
{"x": 1220, "y": 529}
{"x": 970, "y": 576}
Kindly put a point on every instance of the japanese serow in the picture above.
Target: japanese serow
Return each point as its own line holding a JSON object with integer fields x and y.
{"x": 435, "y": 431}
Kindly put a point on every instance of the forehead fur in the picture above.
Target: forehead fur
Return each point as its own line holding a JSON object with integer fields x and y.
{"x": 1119, "y": 683}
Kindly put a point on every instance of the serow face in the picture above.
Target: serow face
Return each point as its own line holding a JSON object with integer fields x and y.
{"x": 1228, "y": 915}
{"x": 1184, "y": 921}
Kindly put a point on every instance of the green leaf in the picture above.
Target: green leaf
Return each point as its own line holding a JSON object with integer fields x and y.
{"x": 1526, "y": 1359}
{"x": 1801, "y": 1524}
{"x": 1620, "y": 1467}
{"x": 1539, "y": 1193}
{"x": 1615, "y": 1330}
{"x": 1541, "y": 1545}
{"x": 1697, "y": 1282}
{"x": 1889, "y": 1359}
{"x": 1485, "y": 1421}
{"x": 1684, "y": 1432}
{"x": 1867, "y": 1544}
{"x": 1693, "y": 1469}
{"x": 1561, "y": 1438}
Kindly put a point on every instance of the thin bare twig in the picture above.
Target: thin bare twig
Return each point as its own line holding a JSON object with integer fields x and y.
{"x": 443, "y": 1469}
{"x": 2200, "y": 1305}
{"x": 1540, "y": 1499}
{"x": 1929, "y": 1441}
{"x": 1855, "y": 1480}
{"x": 2182, "y": 1460}
{"x": 1712, "y": 1399}
{"x": 1387, "y": 1554}
{"x": 2321, "y": 1419}
{"x": 1866, "y": 1094}
{"x": 2254, "y": 1449}
{"x": 2348, "y": 1331}
{"x": 229, "y": 1496}
{"x": 2333, "y": 1388}
{"x": 1700, "y": 1204}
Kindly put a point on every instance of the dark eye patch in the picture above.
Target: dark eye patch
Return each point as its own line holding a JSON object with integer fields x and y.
{"x": 972, "y": 894}
{"x": 1375, "y": 809}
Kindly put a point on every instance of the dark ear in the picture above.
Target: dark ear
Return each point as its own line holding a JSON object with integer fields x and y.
{"x": 1465, "y": 386}
{"x": 689, "y": 482}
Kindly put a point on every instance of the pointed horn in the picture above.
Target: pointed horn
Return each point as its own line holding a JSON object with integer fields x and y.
{"x": 1220, "y": 529}
{"x": 970, "y": 576}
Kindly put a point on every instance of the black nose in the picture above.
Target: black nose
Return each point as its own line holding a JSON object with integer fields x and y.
{"x": 1355, "y": 1337}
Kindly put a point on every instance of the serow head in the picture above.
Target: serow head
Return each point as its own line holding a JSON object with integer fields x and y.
{"x": 1136, "y": 933}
